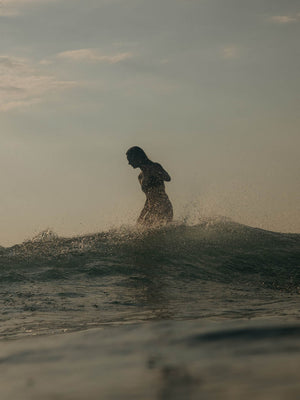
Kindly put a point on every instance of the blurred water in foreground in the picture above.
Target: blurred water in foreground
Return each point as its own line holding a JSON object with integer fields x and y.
{"x": 208, "y": 311}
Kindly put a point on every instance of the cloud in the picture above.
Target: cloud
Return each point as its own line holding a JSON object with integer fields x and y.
{"x": 22, "y": 84}
{"x": 229, "y": 52}
{"x": 283, "y": 19}
{"x": 10, "y": 8}
{"x": 93, "y": 56}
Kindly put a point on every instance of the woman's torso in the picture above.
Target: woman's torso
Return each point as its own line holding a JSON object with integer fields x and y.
{"x": 151, "y": 185}
{"x": 158, "y": 207}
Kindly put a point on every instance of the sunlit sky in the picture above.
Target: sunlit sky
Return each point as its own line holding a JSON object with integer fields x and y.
{"x": 209, "y": 88}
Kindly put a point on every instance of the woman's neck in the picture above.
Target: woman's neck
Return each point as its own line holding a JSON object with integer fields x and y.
{"x": 144, "y": 166}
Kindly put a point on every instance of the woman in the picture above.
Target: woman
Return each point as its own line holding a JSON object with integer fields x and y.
{"x": 158, "y": 209}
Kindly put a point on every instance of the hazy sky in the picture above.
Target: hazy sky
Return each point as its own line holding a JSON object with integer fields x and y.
{"x": 209, "y": 88}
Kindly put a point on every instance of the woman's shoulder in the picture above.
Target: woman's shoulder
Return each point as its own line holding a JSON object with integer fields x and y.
{"x": 153, "y": 169}
{"x": 161, "y": 172}
{"x": 157, "y": 166}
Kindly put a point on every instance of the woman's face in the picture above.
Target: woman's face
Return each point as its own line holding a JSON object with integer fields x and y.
{"x": 133, "y": 161}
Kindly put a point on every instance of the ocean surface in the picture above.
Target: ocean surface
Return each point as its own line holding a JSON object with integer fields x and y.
{"x": 208, "y": 311}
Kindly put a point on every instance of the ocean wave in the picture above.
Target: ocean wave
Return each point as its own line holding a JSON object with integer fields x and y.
{"x": 216, "y": 250}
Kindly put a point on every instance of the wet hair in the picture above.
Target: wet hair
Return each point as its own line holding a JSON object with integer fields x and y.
{"x": 137, "y": 153}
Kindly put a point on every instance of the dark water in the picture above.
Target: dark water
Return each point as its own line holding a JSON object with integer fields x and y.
{"x": 196, "y": 301}
{"x": 215, "y": 270}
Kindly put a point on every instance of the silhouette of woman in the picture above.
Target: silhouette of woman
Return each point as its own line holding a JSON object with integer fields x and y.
{"x": 158, "y": 209}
